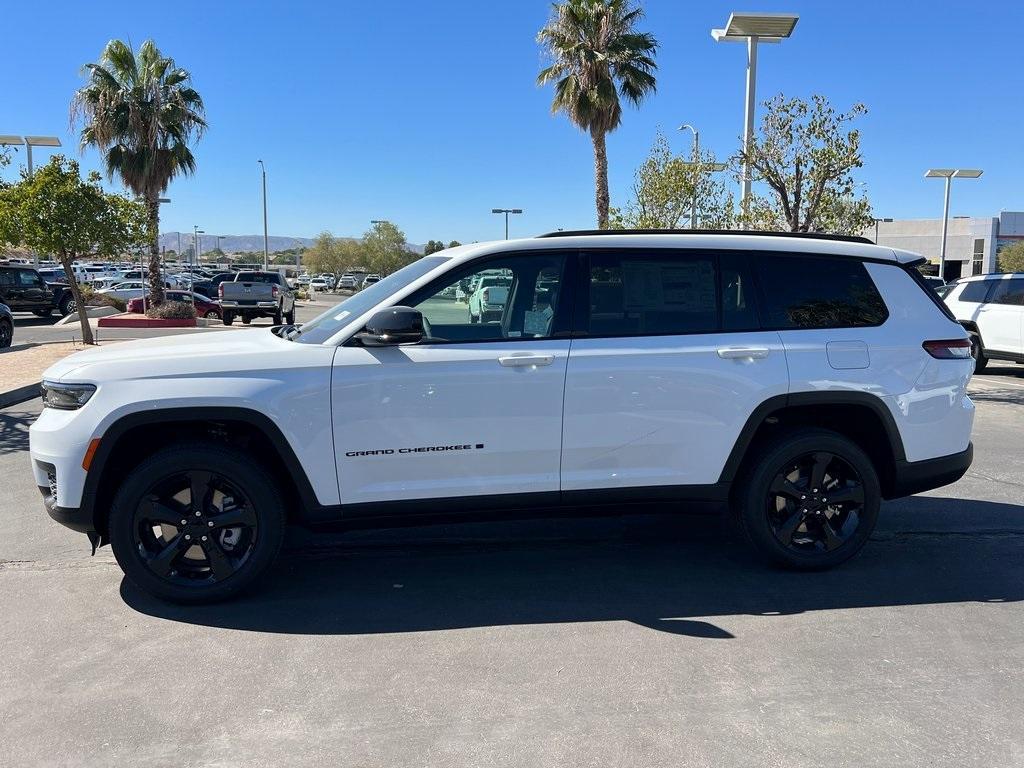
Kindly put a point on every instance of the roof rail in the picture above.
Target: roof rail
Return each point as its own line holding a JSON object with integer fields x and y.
{"x": 799, "y": 235}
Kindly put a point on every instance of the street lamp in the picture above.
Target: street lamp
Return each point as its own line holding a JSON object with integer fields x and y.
{"x": 506, "y": 211}
{"x": 948, "y": 174}
{"x": 753, "y": 28}
{"x": 196, "y": 241}
{"x": 29, "y": 142}
{"x": 696, "y": 163}
{"x": 266, "y": 248}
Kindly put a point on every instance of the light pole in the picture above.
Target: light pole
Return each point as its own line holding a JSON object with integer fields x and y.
{"x": 506, "y": 211}
{"x": 694, "y": 160}
{"x": 29, "y": 142}
{"x": 948, "y": 174}
{"x": 266, "y": 247}
{"x": 753, "y": 28}
{"x": 196, "y": 232}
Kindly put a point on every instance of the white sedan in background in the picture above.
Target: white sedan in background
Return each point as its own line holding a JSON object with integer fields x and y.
{"x": 130, "y": 289}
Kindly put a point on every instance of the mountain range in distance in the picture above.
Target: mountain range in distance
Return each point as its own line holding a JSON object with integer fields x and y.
{"x": 243, "y": 243}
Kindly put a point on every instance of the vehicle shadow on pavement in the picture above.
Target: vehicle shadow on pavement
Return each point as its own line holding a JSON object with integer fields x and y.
{"x": 14, "y": 426}
{"x": 673, "y": 573}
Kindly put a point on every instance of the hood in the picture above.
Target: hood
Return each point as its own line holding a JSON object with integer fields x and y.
{"x": 186, "y": 354}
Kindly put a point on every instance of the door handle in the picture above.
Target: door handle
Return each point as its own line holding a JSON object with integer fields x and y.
{"x": 740, "y": 353}
{"x": 523, "y": 361}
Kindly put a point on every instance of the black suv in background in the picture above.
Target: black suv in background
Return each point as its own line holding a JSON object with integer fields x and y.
{"x": 23, "y": 289}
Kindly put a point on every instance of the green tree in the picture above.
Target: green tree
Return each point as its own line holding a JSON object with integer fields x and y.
{"x": 141, "y": 112}
{"x": 322, "y": 256}
{"x": 385, "y": 248}
{"x": 433, "y": 246}
{"x": 454, "y": 244}
{"x": 1011, "y": 257}
{"x": 666, "y": 189}
{"x": 57, "y": 212}
{"x": 597, "y": 57}
{"x": 806, "y": 153}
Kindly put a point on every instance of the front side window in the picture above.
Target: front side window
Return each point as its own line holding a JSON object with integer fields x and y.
{"x": 975, "y": 291}
{"x": 813, "y": 291}
{"x": 634, "y": 293}
{"x": 508, "y": 297}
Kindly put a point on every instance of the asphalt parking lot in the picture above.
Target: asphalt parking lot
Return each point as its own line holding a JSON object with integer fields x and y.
{"x": 647, "y": 641}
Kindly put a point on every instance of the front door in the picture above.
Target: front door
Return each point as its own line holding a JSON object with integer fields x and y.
{"x": 473, "y": 411}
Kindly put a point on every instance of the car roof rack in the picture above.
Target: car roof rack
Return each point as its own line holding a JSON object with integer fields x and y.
{"x": 762, "y": 233}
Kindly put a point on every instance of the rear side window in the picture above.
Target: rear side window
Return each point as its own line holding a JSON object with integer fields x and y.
{"x": 799, "y": 291}
{"x": 975, "y": 291}
{"x": 650, "y": 293}
{"x": 1009, "y": 292}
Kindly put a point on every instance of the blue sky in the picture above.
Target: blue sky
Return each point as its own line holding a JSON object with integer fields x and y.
{"x": 426, "y": 113}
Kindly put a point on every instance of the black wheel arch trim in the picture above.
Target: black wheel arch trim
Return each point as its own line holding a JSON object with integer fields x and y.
{"x": 211, "y": 414}
{"x": 797, "y": 399}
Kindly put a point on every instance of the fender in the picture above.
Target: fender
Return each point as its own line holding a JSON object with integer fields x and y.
{"x": 214, "y": 414}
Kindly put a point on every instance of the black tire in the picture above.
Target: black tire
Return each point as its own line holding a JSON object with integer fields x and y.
{"x": 43, "y": 312}
{"x": 289, "y": 317}
{"x": 278, "y": 319}
{"x": 978, "y": 353}
{"x": 246, "y": 319}
{"x": 67, "y": 305}
{"x": 229, "y": 318}
{"x": 776, "y": 498}
{"x": 242, "y": 553}
{"x": 6, "y": 333}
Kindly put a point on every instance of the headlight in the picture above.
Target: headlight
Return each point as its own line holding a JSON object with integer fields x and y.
{"x": 66, "y": 397}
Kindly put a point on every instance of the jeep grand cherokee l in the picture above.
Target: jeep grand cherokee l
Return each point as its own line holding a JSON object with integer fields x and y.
{"x": 799, "y": 380}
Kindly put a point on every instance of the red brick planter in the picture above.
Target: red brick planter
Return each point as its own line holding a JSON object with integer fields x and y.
{"x": 129, "y": 320}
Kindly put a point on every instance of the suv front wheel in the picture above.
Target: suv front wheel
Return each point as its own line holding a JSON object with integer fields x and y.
{"x": 810, "y": 499}
{"x": 196, "y": 523}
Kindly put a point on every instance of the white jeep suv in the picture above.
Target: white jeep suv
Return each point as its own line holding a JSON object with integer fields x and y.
{"x": 800, "y": 380}
{"x": 991, "y": 308}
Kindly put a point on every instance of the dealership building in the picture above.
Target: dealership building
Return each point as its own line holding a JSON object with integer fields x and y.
{"x": 972, "y": 243}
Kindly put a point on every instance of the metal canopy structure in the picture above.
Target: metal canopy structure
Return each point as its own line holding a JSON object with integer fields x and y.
{"x": 770, "y": 27}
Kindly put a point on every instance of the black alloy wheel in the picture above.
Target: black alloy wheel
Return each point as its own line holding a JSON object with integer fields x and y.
{"x": 814, "y": 502}
{"x": 196, "y": 522}
{"x": 195, "y": 527}
{"x": 808, "y": 499}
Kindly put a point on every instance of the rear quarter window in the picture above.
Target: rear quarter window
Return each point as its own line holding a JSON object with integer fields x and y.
{"x": 811, "y": 291}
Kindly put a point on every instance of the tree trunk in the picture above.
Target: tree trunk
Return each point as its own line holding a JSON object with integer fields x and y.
{"x": 156, "y": 280}
{"x": 83, "y": 316}
{"x": 600, "y": 178}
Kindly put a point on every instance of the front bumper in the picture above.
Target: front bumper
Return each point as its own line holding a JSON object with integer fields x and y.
{"x": 912, "y": 477}
{"x": 75, "y": 518}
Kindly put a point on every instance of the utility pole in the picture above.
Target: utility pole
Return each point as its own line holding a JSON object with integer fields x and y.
{"x": 266, "y": 247}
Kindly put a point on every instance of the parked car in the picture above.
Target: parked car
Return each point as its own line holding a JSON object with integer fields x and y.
{"x": 370, "y": 280}
{"x": 799, "y": 378}
{"x": 487, "y": 302}
{"x": 347, "y": 281}
{"x": 991, "y": 308}
{"x": 23, "y": 289}
{"x": 206, "y": 288}
{"x": 129, "y": 289}
{"x": 204, "y": 306}
{"x": 6, "y": 327}
{"x": 320, "y": 284}
{"x": 257, "y": 294}
{"x": 328, "y": 278}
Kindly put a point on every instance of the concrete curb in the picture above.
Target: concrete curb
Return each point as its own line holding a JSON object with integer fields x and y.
{"x": 20, "y": 395}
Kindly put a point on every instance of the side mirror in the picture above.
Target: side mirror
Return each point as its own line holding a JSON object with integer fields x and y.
{"x": 392, "y": 326}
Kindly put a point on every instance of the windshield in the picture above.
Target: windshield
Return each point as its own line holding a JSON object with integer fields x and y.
{"x": 330, "y": 322}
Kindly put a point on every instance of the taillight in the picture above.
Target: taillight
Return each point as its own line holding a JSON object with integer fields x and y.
{"x": 948, "y": 349}
{"x": 275, "y": 291}
{"x": 487, "y": 296}
{"x": 220, "y": 290}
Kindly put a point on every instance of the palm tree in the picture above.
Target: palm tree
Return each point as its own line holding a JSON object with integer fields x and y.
{"x": 597, "y": 56}
{"x": 141, "y": 111}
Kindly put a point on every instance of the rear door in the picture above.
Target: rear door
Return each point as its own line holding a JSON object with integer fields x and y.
{"x": 668, "y": 365}
{"x": 1000, "y": 318}
{"x": 471, "y": 412}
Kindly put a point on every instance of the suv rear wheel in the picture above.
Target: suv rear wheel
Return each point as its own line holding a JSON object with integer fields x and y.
{"x": 810, "y": 499}
{"x": 196, "y": 523}
{"x": 978, "y": 353}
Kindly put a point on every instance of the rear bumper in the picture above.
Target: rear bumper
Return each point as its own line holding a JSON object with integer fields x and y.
{"x": 916, "y": 476}
{"x": 255, "y": 305}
